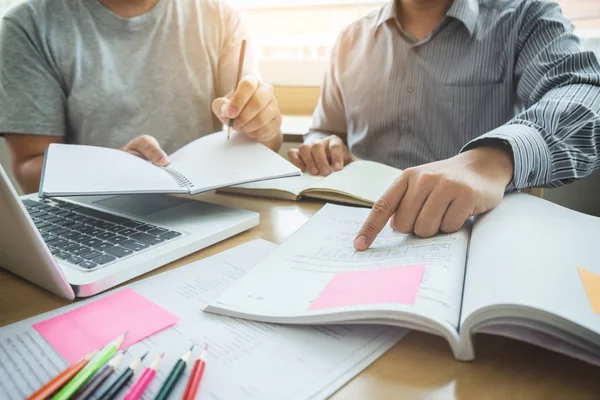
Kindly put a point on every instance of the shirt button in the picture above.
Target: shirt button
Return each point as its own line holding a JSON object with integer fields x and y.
{"x": 531, "y": 177}
{"x": 410, "y": 89}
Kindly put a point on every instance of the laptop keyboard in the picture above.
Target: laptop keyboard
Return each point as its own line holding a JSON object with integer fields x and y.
{"x": 90, "y": 238}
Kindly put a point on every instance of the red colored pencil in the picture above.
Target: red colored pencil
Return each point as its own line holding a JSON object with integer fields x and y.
{"x": 195, "y": 377}
{"x": 61, "y": 379}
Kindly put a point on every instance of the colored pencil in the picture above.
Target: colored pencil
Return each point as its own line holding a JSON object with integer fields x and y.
{"x": 95, "y": 363}
{"x": 237, "y": 82}
{"x": 196, "y": 376}
{"x": 90, "y": 387}
{"x": 61, "y": 379}
{"x": 140, "y": 386}
{"x": 174, "y": 376}
{"x": 113, "y": 390}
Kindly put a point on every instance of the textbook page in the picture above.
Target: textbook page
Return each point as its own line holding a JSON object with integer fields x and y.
{"x": 365, "y": 180}
{"x": 246, "y": 360}
{"x": 90, "y": 170}
{"x": 288, "y": 281}
{"x": 212, "y": 162}
{"x": 527, "y": 252}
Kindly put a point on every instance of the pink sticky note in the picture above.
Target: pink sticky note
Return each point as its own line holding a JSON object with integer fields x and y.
{"x": 92, "y": 326}
{"x": 392, "y": 285}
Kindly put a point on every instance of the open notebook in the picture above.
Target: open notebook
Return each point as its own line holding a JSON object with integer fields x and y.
{"x": 528, "y": 270}
{"x": 205, "y": 164}
{"x": 360, "y": 183}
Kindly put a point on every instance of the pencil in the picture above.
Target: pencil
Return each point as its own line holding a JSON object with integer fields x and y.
{"x": 61, "y": 379}
{"x": 113, "y": 390}
{"x": 88, "y": 389}
{"x": 174, "y": 376}
{"x": 237, "y": 82}
{"x": 140, "y": 386}
{"x": 95, "y": 363}
{"x": 195, "y": 376}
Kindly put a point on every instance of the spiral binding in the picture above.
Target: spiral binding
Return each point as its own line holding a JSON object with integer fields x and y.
{"x": 181, "y": 180}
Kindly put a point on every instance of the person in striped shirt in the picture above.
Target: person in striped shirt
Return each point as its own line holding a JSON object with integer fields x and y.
{"x": 471, "y": 98}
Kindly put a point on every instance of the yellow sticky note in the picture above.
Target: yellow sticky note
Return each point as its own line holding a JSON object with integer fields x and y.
{"x": 591, "y": 283}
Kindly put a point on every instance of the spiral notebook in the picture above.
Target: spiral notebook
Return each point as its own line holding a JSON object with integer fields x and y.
{"x": 205, "y": 164}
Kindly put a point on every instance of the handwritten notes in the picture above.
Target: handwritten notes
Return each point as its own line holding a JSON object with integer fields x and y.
{"x": 395, "y": 285}
{"x": 90, "y": 327}
{"x": 591, "y": 283}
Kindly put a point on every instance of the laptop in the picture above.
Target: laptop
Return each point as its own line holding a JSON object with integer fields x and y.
{"x": 81, "y": 246}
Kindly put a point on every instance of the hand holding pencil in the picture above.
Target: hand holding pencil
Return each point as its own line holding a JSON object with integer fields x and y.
{"x": 251, "y": 108}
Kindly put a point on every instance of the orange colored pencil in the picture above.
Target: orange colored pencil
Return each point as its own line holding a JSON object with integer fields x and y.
{"x": 61, "y": 379}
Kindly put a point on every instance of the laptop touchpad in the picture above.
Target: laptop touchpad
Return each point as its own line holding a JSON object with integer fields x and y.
{"x": 141, "y": 204}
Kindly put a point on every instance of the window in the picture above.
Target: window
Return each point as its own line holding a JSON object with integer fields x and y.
{"x": 294, "y": 38}
{"x": 585, "y": 15}
{"x": 4, "y": 5}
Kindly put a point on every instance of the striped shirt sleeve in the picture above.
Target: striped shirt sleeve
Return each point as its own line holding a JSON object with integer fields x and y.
{"x": 557, "y": 138}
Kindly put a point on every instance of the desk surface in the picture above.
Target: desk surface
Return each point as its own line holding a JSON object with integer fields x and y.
{"x": 419, "y": 367}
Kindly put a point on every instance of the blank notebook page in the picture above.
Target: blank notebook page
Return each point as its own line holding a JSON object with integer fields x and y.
{"x": 78, "y": 169}
{"x": 367, "y": 180}
{"x": 213, "y": 161}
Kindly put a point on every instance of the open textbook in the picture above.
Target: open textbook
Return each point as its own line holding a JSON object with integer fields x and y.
{"x": 205, "y": 164}
{"x": 246, "y": 360}
{"x": 360, "y": 183}
{"x": 529, "y": 270}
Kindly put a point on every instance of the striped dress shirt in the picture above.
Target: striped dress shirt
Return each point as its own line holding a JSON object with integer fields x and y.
{"x": 494, "y": 71}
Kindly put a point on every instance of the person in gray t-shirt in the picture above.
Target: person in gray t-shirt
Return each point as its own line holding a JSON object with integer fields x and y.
{"x": 145, "y": 76}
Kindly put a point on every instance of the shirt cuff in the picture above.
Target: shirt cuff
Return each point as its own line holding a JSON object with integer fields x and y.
{"x": 531, "y": 154}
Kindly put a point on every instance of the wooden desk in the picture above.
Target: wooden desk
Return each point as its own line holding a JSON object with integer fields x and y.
{"x": 419, "y": 367}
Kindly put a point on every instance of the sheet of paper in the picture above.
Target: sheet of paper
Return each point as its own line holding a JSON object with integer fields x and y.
{"x": 392, "y": 285}
{"x": 292, "y": 277}
{"x": 92, "y": 326}
{"x": 213, "y": 162}
{"x": 591, "y": 284}
{"x": 101, "y": 170}
{"x": 309, "y": 362}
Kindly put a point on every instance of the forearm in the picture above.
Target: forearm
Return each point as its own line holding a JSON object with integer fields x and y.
{"x": 28, "y": 173}
{"x": 275, "y": 143}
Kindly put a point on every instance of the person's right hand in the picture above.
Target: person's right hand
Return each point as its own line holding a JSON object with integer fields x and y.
{"x": 147, "y": 147}
{"x": 318, "y": 156}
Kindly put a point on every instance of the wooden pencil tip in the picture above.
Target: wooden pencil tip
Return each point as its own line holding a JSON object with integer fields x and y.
{"x": 144, "y": 355}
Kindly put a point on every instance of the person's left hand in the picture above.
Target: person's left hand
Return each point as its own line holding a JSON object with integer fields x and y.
{"x": 440, "y": 196}
{"x": 254, "y": 107}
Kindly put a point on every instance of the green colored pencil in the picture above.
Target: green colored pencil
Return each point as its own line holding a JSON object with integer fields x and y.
{"x": 174, "y": 376}
{"x": 92, "y": 366}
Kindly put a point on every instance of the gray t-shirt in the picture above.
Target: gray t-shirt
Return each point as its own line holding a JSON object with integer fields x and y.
{"x": 73, "y": 68}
